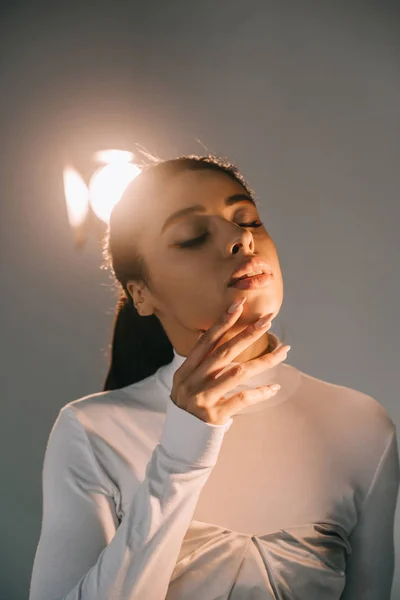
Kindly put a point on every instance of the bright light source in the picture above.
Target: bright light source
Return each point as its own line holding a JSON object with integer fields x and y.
{"x": 76, "y": 196}
{"x": 107, "y": 186}
{"x": 113, "y": 156}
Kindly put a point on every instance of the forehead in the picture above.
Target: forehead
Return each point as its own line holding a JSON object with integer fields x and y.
{"x": 196, "y": 187}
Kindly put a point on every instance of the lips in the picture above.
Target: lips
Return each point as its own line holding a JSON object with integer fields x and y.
{"x": 248, "y": 266}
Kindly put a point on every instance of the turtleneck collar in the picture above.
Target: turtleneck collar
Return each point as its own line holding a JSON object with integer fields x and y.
{"x": 287, "y": 376}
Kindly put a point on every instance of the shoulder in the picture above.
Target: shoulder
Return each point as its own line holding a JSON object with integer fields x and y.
{"x": 78, "y": 412}
{"x": 95, "y": 403}
{"x": 350, "y": 413}
{"x": 102, "y": 417}
{"x": 92, "y": 415}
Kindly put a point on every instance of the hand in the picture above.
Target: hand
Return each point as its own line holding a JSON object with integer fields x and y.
{"x": 196, "y": 388}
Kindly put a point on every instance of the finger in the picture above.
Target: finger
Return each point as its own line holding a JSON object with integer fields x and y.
{"x": 267, "y": 361}
{"x": 221, "y": 384}
{"x": 227, "y": 352}
{"x": 244, "y": 398}
{"x": 207, "y": 342}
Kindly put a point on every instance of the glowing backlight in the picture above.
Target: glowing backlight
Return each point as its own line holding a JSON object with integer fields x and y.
{"x": 107, "y": 186}
{"x": 76, "y": 196}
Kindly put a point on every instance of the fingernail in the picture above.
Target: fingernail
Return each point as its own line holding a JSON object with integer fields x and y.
{"x": 283, "y": 348}
{"x": 261, "y": 322}
{"x": 236, "y": 305}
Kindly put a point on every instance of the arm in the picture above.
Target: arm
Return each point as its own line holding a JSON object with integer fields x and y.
{"x": 370, "y": 567}
{"x": 83, "y": 554}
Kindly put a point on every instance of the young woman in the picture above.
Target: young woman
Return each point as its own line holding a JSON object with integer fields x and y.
{"x": 189, "y": 476}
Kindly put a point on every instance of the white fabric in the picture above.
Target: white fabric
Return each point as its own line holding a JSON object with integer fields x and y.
{"x": 294, "y": 498}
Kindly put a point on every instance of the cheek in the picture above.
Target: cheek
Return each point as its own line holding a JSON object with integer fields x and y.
{"x": 277, "y": 269}
{"x": 268, "y": 251}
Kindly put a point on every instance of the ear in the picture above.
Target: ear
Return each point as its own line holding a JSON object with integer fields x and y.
{"x": 141, "y": 298}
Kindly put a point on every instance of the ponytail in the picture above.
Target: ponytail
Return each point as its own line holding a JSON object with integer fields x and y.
{"x": 139, "y": 346}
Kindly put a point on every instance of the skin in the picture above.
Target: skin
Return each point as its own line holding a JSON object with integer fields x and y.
{"x": 189, "y": 285}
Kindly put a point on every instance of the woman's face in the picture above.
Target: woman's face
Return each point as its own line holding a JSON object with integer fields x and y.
{"x": 189, "y": 284}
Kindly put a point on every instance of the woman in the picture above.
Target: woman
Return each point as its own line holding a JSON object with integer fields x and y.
{"x": 188, "y": 476}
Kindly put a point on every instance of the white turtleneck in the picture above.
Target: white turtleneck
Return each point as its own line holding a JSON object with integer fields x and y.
{"x": 293, "y": 498}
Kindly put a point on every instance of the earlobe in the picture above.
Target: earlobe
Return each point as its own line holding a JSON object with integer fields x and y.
{"x": 140, "y": 306}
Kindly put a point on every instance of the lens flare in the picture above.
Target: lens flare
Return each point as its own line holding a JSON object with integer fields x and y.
{"x": 76, "y": 196}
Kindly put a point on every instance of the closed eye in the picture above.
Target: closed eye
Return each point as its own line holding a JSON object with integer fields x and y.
{"x": 200, "y": 240}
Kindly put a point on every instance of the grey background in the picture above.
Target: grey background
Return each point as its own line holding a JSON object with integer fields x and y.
{"x": 304, "y": 96}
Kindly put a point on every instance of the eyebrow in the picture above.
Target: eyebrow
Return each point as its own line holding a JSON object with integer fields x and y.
{"x": 179, "y": 214}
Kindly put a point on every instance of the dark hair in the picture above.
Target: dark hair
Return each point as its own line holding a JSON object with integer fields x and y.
{"x": 140, "y": 345}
